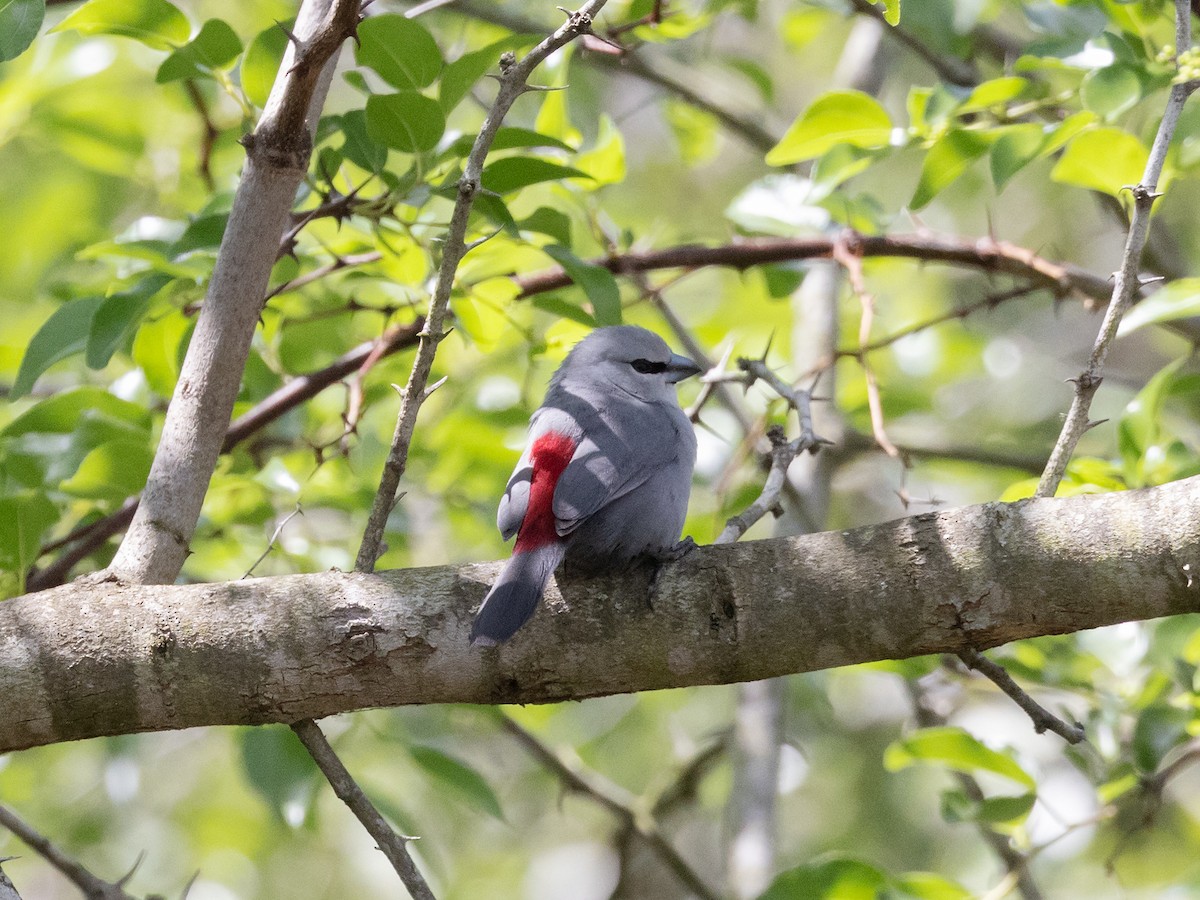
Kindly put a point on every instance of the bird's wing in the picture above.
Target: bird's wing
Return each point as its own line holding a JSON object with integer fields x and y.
{"x": 620, "y": 451}
{"x": 515, "y": 502}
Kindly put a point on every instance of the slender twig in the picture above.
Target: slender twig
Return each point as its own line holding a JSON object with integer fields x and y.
{"x": 576, "y": 777}
{"x": 93, "y": 887}
{"x": 783, "y": 451}
{"x": 1043, "y": 719}
{"x": 1125, "y": 285}
{"x": 390, "y": 843}
{"x": 851, "y": 261}
{"x": 948, "y": 68}
{"x": 513, "y": 83}
{"x": 298, "y": 511}
{"x": 208, "y": 136}
{"x": 1015, "y": 862}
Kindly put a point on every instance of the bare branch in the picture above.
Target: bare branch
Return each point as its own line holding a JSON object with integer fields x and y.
{"x": 1043, "y": 719}
{"x": 579, "y": 778}
{"x": 1126, "y": 285}
{"x": 390, "y": 843}
{"x": 513, "y": 83}
{"x": 93, "y": 888}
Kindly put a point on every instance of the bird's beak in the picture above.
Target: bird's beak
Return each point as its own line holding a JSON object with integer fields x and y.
{"x": 680, "y": 367}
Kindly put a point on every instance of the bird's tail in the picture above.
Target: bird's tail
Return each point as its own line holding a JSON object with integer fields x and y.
{"x": 515, "y": 595}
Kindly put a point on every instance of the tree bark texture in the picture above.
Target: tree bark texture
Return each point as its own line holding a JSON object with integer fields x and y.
{"x": 86, "y": 660}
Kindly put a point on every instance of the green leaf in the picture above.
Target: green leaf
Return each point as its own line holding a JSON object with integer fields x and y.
{"x": 112, "y": 471}
{"x": 261, "y": 63}
{"x": 1178, "y": 300}
{"x": 278, "y": 767}
{"x": 891, "y": 11}
{"x": 1138, "y": 427}
{"x": 1007, "y": 810}
{"x": 835, "y": 879}
{"x": 604, "y": 163}
{"x": 1103, "y": 159}
{"x": 405, "y": 121}
{"x": 24, "y": 518}
{"x": 956, "y": 749}
{"x": 556, "y": 305}
{"x": 598, "y": 284}
{"x": 400, "y": 50}
{"x": 929, "y": 886}
{"x": 841, "y": 117}
{"x": 61, "y": 413}
{"x": 995, "y": 92}
{"x": 461, "y": 780}
{"x": 947, "y": 159}
{"x": 460, "y": 75}
{"x": 1015, "y": 148}
{"x": 358, "y": 146}
{"x": 545, "y": 220}
{"x": 118, "y": 318}
{"x": 215, "y": 47}
{"x": 156, "y": 23}
{"x": 63, "y": 334}
{"x": 515, "y": 172}
{"x": 20, "y": 21}
{"x": 1159, "y": 729}
{"x": 1110, "y": 91}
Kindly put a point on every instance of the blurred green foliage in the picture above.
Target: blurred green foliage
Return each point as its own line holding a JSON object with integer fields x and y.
{"x": 119, "y": 128}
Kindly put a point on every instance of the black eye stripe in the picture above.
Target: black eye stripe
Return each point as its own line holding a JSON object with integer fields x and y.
{"x": 646, "y": 367}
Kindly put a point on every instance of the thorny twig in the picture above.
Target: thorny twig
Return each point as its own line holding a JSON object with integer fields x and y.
{"x": 851, "y": 261}
{"x": 576, "y": 777}
{"x": 783, "y": 451}
{"x": 513, "y": 83}
{"x": 1125, "y": 286}
{"x": 93, "y": 887}
{"x": 390, "y": 843}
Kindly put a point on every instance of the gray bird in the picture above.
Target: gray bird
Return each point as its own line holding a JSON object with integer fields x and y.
{"x": 605, "y": 476}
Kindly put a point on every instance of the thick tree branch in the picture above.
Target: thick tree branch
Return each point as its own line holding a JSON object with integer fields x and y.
{"x": 277, "y": 154}
{"x": 89, "y": 660}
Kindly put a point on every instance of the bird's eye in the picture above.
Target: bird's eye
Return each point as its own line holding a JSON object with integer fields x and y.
{"x": 648, "y": 368}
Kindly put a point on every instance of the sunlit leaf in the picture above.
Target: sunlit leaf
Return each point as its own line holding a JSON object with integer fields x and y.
{"x": 1014, "y": 148}
{"x": 261, "y": 62}
{"x": 156, "y": 23}
{"x": 24, "y": 518}
{"x": 955, "y": 748}
{"x": 1103, "y": 159}
{"x": 112, "y": 471}
{"x": 842, "y": 117}
{"x": 117, "y": 319}
{"x": 1110, "y": 91}
{"x": 63, "y": 334}
{"x": 20, "y": 21}
{"x": 215, "y": 47}
{"x": 1177, "y": 300}
{"x": 995, "y": 92}
{"x": 597, "y": 282}
{"x": 837, "y": 879}
{"x": 400, "y": 50}
{"x": 405, "y": 121}
{"x": 946, "y": 161}
{"x": 515, "y": 172}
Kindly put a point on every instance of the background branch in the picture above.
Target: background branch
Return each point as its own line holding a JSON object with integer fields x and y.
{"x": 93, "y": 888}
